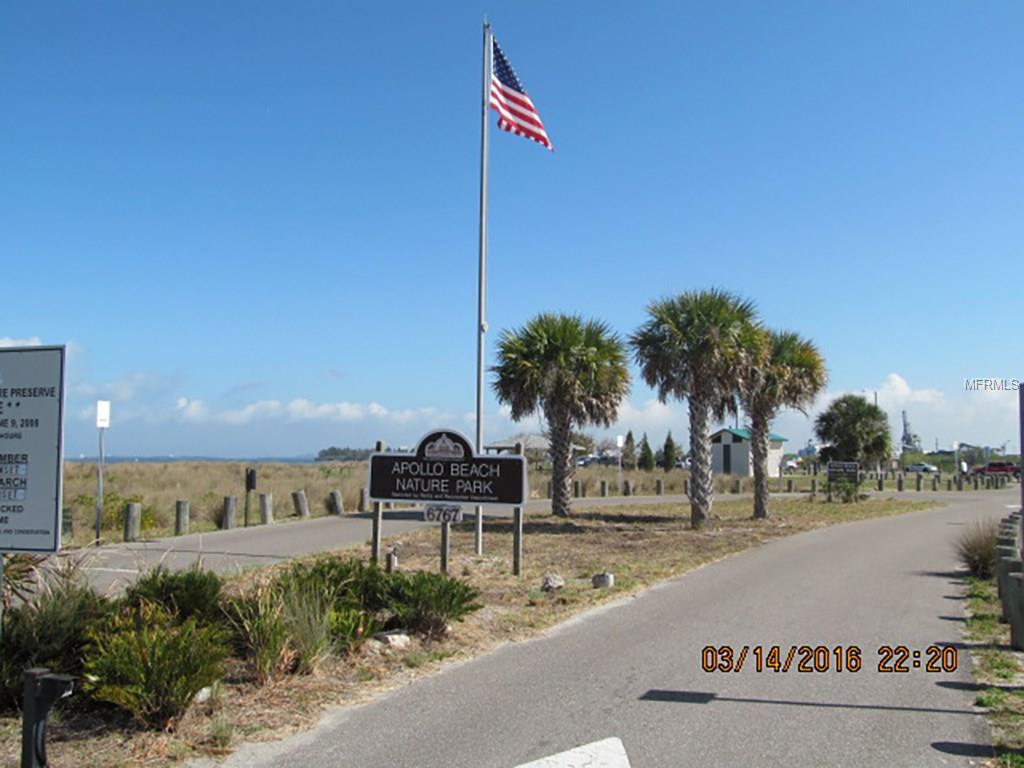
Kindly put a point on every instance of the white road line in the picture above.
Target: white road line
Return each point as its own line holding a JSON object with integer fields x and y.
{"x": 607, "y": 753}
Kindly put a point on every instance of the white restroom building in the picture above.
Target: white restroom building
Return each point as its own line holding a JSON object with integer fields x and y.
{"x": 730, "y": 452}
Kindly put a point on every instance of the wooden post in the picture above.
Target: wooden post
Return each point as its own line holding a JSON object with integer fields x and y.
{"x": 627, "y": 488}
{"x": 67, "y": 524}
{"x": 378, "y": 522}
{"x": 789, "y": 485}
{"x": 899, "y": 483}
{"x": 919, "y": 482}
{"x": 739, "y": 485}
{"x": 132, "y": 521}
{"x": 935, "y": 483}
{"x": 227, "y": 518}
{"x": 364, "y": 495}
{"x": 446, "y": 530}
{"x": 517, "y": 527}
{"x": 391, "y": 562}
{"x": 949, "y": 483}
{"x": 301, "y": 503}
{"x": 604, "y": 488}
{"x": 659, "y": 487}
{"x": 266, "y": 508}
{"x": 814, "y": 484}
{"x": 881, "y": 483}
{"x": 550, "y": 486}
{"x": 181, "y": 517}
{"x": 337, "y": 503}
{"x": 686, "y": 486}
{"x": 576, "y": 489}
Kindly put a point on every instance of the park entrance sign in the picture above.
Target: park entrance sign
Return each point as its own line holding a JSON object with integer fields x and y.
{"x": 444, "y": 469}
{"x": 31, "y": 448}
{"x": 844, "y": 472}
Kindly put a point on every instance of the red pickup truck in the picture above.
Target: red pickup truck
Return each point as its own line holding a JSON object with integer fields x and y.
{"x": 997, "y": 468}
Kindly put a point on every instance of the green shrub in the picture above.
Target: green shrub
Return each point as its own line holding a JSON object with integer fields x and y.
{"x": 347, "y": 583}
{"x": 260, "y": 632}
{"x": 193, "y": 593}
{"x": 976, "y": 548}
{"x": 49, "y": 631}
{"x": 145, "y": 663}
{"x": 351, "y": 627}
{"x": 427, "y": 602}
{"x": 304, "y": 609}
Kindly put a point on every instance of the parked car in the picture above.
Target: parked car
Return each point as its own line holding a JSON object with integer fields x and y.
{"x": 920, "y": 466}
{"x": 997, "y": 468}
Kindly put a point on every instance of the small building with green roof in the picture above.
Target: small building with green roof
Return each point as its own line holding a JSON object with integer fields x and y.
{"x": 730, "y": 452}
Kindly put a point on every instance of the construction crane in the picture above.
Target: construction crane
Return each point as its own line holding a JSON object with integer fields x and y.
{"x": 909, "y": 441}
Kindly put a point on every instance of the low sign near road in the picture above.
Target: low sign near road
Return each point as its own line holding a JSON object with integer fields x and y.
{"x": 843, "y": 471}
{"x": 445, "y": 469}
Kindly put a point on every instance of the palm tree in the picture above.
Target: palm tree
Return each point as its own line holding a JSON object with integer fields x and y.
{"x": 785, "y": 371}
{"x": 855, "y": 430}
{"x": 574, "y": 372}
{"x": 692, "y": 347}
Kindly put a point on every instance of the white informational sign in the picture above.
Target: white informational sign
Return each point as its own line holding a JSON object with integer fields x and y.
{"x": 102, "y": 414}
{"x": 620, "y": 441}
{"x": 31, "y": 448}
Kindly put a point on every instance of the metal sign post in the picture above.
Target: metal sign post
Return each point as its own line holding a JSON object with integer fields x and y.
{"x": 102, "y": 422}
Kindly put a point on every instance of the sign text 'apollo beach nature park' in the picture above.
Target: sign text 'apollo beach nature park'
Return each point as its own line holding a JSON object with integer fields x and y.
{"x": 31, "y": 448}
{"x": 444, "y": 468}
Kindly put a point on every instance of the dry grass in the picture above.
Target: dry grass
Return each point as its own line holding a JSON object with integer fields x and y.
{"x": 206, "y": 483}
{"x": 640, "y": 545}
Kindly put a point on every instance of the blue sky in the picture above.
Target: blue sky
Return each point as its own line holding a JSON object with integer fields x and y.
{"x": 255, "y": 224}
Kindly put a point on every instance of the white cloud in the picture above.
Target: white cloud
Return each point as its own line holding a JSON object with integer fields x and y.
{"x": 303, "y": 410}
{"x": 31, "y": 341}
{"x": 978, "y": 417}
{"x": 138, "y": 385}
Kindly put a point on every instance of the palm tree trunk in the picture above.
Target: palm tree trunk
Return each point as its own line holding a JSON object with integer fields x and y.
{"x": 759, "y": 455}
{"x": 562, "y": 467}
{"x": 701, "y": 489}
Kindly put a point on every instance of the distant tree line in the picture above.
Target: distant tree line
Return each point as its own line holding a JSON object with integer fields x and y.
{"x": 343, "y": 454}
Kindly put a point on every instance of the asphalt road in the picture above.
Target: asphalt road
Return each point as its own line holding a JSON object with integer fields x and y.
{"x": 633, "y": 670}
{"x": 114, "y": 565}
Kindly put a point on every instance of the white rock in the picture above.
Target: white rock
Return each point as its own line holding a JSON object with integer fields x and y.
{"x": 603, "y": 580}
{"x": 552, "y": 582}
{"x": 203, "y": 694}
{"x": 397, "y": 641}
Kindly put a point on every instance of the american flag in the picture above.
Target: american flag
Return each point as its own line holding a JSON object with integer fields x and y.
{"x": 508, "y": 98}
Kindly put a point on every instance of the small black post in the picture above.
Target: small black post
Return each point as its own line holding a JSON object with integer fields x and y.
{"x": 42, "y": 689}
{"x": 250, "y": 485}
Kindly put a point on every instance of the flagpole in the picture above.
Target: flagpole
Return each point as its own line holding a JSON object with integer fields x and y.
{"x": 482, "y": 274}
